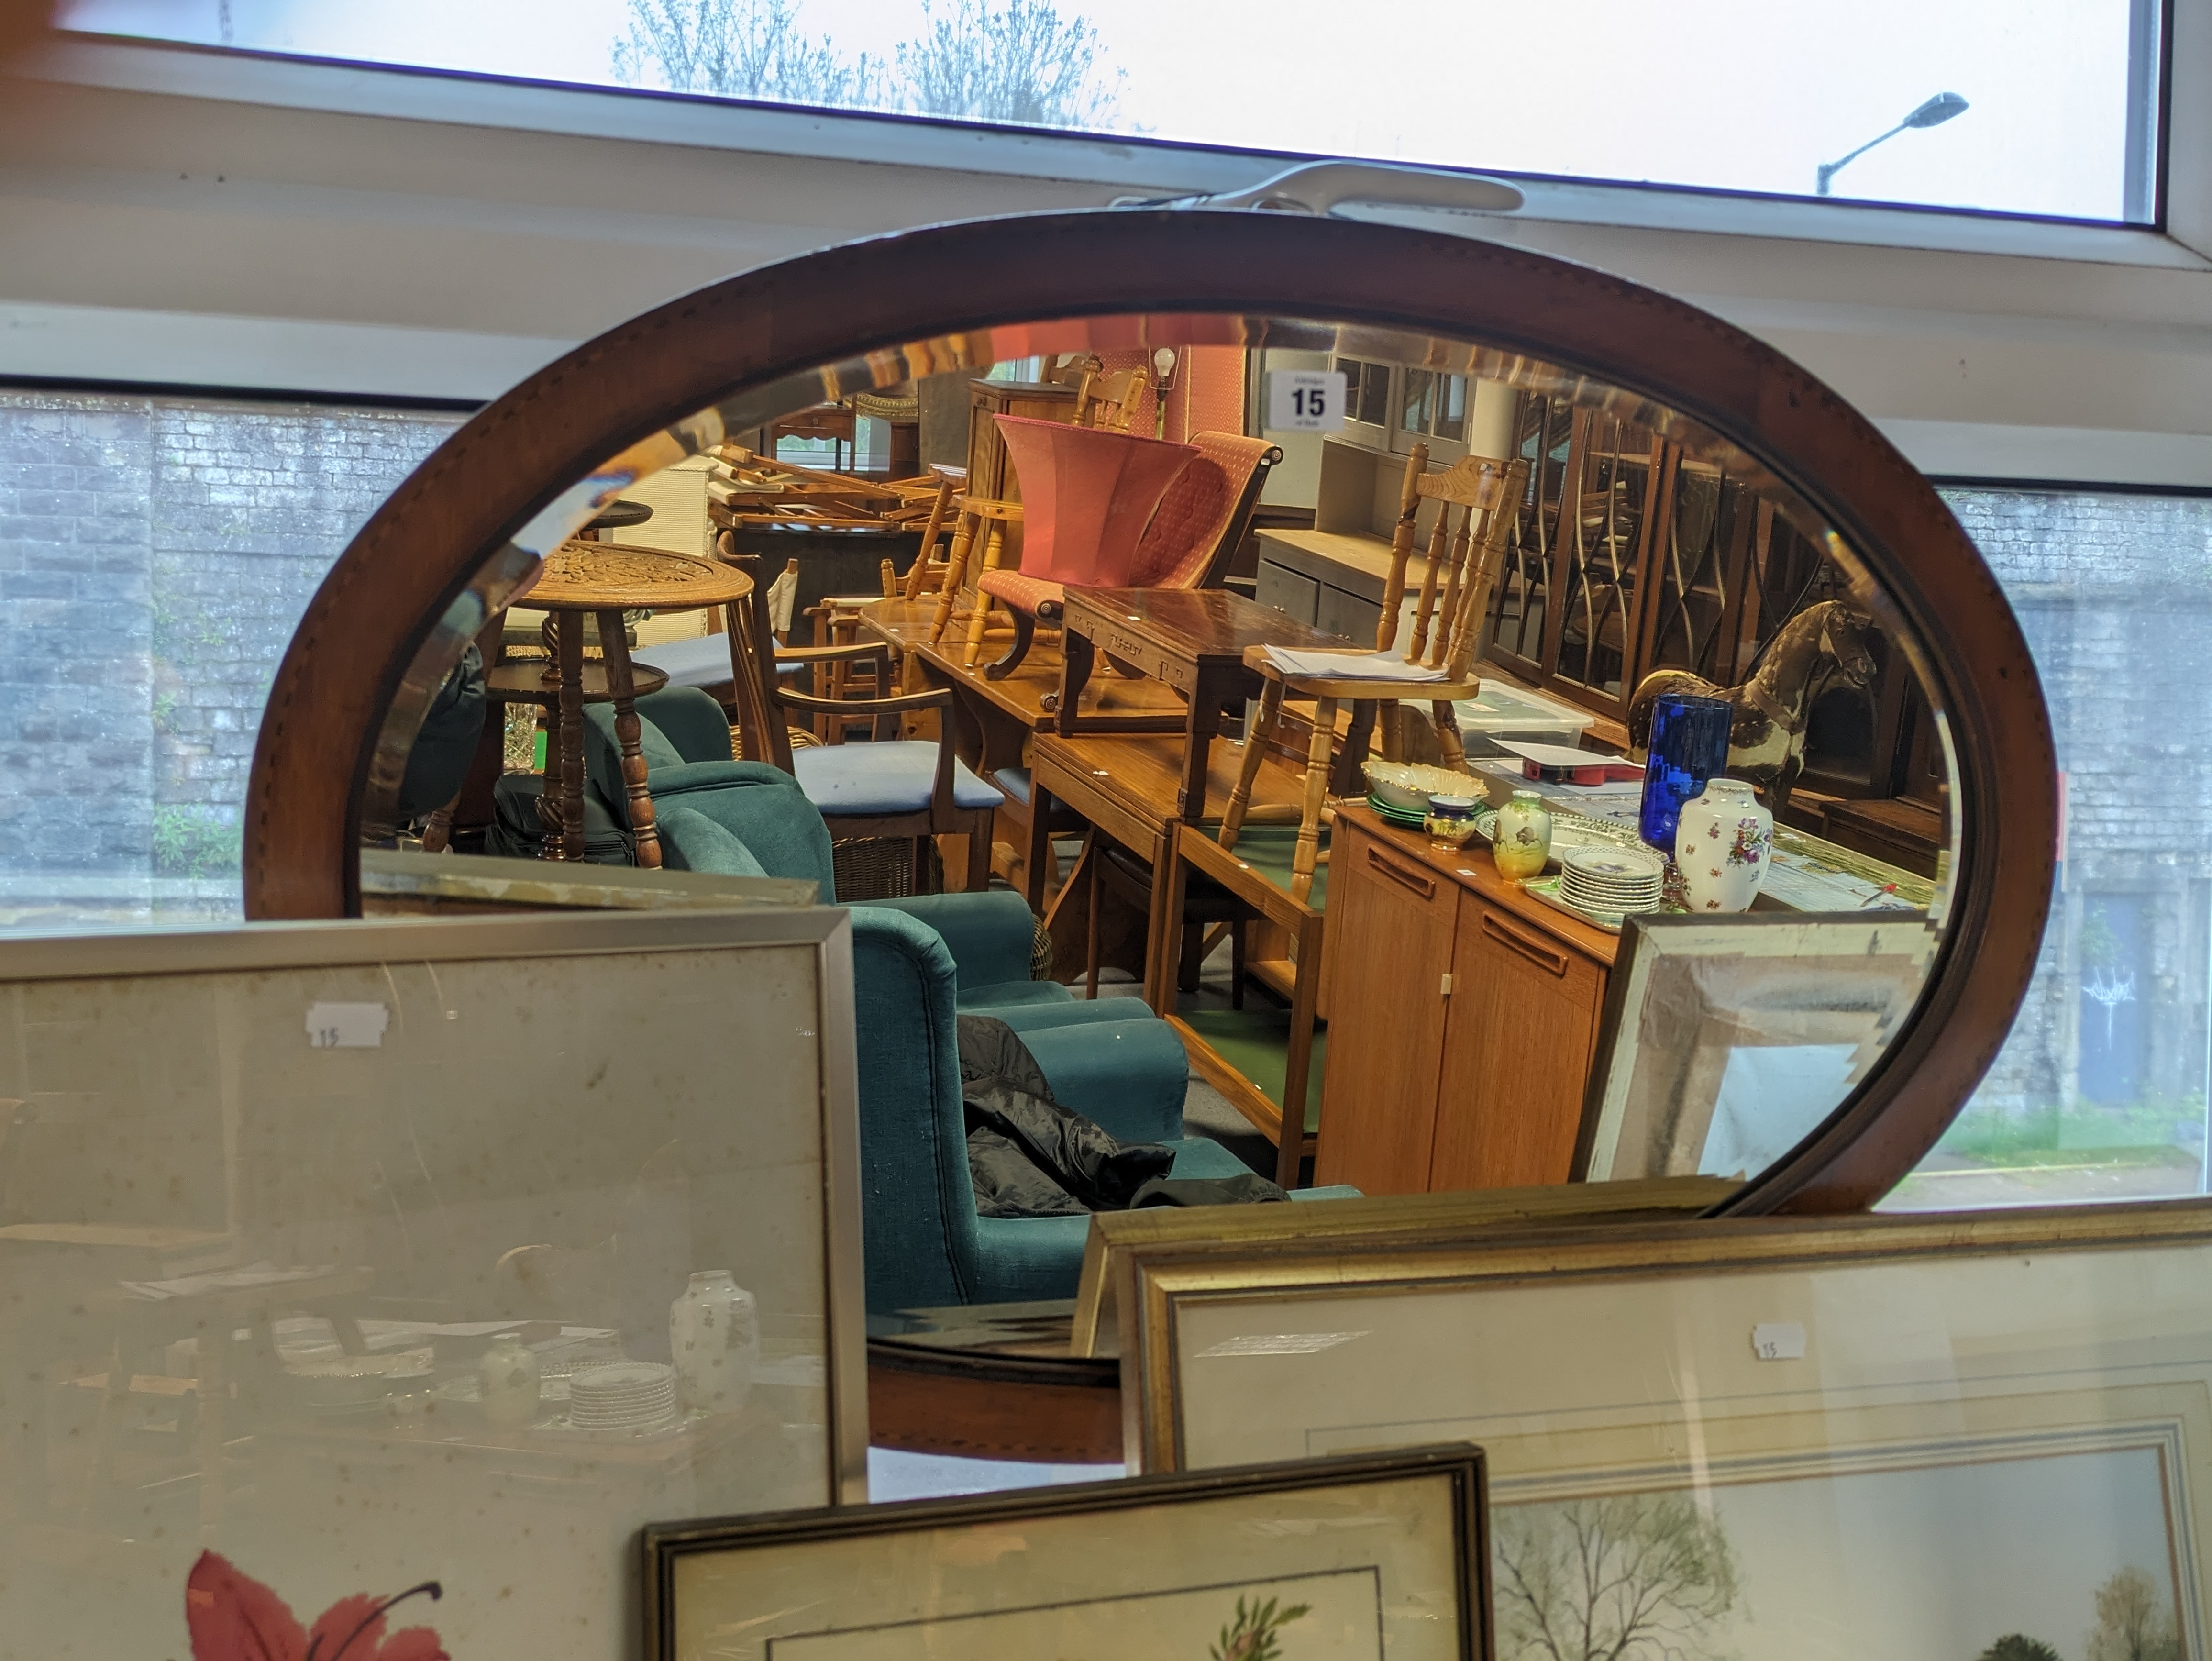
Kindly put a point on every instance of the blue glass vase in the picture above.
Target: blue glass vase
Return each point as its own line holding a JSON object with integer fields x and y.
{"x": 1689, "y": 745}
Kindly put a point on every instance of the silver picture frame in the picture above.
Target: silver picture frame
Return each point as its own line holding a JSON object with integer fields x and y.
{"x": 499, "y": 1119}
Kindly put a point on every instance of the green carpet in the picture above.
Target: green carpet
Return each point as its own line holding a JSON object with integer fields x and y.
{"x": 1267, "y": 849}
{"x": 1256, "y": 1043}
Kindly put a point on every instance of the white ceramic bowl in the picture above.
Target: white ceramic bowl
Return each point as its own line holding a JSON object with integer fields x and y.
{"x": 1407, "y": 785}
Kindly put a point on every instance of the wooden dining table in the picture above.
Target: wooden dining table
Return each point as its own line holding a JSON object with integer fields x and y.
{"x": 1191, "y": 639}
{"x": 603, "y": 579}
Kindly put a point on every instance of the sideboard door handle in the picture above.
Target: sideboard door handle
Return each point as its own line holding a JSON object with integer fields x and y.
{"x": 1535, "y": 950}
{"x": 1424, "y": 886}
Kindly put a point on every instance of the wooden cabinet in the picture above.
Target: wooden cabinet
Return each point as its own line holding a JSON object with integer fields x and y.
{"x": 988, "y": 474}
{"x": 1330, "y": 578}
{"x": 1472, "y": 1081}
{"x": 1516, "y": 1053}
{"x": 1394, "y": 938}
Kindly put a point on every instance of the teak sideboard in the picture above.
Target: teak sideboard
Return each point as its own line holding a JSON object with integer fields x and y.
{"x": 1463, "y": 1019}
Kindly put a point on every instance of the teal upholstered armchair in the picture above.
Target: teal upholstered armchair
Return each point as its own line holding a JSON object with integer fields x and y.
{"x": 925, "y": 1245}
{"x": 774, "y": 830}
{"x": 1112, "y": 1060}
{"x": 917, "y": 964}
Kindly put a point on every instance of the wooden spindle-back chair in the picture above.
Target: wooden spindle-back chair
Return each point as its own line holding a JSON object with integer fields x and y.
{"x": 1477, "y": 499}
{"x": 979, "y": 537}
{"x": 1108, "y": 400}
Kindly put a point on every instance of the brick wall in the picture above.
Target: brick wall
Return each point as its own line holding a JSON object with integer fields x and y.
{"x": 77, "y": 741}
{"x": 2114, "y": 593}
{"x": 156, "y": 555}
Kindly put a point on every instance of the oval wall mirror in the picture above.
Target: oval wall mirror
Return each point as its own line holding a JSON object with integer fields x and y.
{"x": 1096, "y": 497}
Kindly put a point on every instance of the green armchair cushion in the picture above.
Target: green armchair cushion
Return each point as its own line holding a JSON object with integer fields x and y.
{"x": 692, "y": 841}
{"x": 989, "y": 934}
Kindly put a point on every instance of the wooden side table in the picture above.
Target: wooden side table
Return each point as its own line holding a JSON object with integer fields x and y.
{"x": 1191, "y": 639}
{"x": 617, "y": 515}
{"x": 834, "y": 422}
{"x": 608, "y": 579}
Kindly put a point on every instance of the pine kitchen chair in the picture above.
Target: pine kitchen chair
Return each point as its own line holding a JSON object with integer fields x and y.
{"x": 1465, "y": 550}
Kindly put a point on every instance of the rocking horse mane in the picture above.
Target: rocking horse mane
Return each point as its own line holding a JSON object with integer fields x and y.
{"x": 1793, "y": 656}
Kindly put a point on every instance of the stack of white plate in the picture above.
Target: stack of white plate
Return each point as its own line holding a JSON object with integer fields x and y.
{"x": 623, "y": 1396}
{"x": 1623, "y": 880}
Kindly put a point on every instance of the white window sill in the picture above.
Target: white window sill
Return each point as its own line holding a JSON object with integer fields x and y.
{"x": 1117, "y": 166}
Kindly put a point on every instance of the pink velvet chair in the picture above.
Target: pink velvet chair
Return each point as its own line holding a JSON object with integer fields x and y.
{"x": 1194, "y": 532}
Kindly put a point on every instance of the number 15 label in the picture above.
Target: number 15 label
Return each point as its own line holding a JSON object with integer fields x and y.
{"x": 1305, "y": 401}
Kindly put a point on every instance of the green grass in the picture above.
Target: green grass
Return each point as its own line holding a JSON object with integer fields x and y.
{"x": 194, "y": 842}
{"x": 2146, "y": 1132}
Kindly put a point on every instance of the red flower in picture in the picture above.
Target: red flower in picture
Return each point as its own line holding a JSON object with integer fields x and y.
{"x": 233, "y": 1617}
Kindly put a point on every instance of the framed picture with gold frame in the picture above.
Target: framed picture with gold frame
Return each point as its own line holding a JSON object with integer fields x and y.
{"x": 1370, "y": 1220}
{"x": 1353, "y": 1559}
{"x": 1971, "y": 1434}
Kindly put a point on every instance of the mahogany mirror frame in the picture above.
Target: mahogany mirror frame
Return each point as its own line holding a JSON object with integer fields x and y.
{"x": 420, "y": 549}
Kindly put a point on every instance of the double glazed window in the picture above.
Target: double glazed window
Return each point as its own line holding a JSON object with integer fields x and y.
{"x": 2048, "y": 108}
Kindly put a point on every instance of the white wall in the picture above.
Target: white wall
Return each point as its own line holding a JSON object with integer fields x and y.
{"x": 173, "y": 216}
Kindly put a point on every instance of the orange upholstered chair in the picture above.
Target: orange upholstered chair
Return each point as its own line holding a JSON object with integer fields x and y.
{"x": 1194, "y": 532}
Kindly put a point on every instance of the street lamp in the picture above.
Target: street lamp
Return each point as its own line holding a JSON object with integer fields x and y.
{"x": 1933, "y": 113}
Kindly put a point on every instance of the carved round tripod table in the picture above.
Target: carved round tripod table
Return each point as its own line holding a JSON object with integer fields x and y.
{"x": 606, "y": 579}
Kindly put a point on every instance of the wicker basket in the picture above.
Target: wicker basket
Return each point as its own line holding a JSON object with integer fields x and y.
{"x": 878, "y": 868}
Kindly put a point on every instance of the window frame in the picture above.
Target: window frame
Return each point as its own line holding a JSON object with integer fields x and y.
{"x": 2178, "y": 234}
{"x": 1981, "y": 346}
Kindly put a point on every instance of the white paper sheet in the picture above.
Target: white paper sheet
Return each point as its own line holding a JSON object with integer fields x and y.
{"x": 1560, "y": 755}
{"x": 1352, "y": 666}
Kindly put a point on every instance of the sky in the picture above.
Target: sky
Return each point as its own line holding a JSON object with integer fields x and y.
{"x": 1932, "y": 1562}
{"x": 1935, "y": 1564}
{"x": 1740, "y": 95}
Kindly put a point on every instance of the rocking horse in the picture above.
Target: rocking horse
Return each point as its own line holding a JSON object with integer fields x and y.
{"x": 1766, "y": 742}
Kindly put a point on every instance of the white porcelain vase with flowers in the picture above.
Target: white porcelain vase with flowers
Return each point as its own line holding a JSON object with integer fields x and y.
{"x": 1722, "y": 846}
{"x": 714, "y": 1338}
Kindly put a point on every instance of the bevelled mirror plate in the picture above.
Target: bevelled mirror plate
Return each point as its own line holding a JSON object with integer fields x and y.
{"x": 1691, "y": 517}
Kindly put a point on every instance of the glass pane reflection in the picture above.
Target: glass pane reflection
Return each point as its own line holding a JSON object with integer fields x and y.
{"x": 2099, "y": 1093}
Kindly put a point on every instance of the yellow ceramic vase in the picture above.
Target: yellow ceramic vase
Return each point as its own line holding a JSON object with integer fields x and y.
{"x": 1521, "y": 841}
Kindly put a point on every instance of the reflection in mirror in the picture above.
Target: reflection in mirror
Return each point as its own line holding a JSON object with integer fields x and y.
{"x": 1294, "y": 697}
{"x": 1726, "y": 1040}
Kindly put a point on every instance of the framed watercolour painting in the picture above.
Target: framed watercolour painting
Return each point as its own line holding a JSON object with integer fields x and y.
{"x": 392, "y": 1250}
{"x": 1363, "y": 1558}
{"x": 1967, "y": 1435}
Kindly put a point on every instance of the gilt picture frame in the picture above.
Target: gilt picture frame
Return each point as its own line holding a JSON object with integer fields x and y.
{"x": 1962, "y": 1433}
{"x": 1117, "y": 1238}
{"x": 1353, "y": 1559}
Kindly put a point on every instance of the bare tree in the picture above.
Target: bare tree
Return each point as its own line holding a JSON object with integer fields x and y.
{"x": 1021, "y": 62}
{"x": 2133, "y": 1622}
{"x": 741, "y": 49}
{"x": 1635, "y": 1577}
